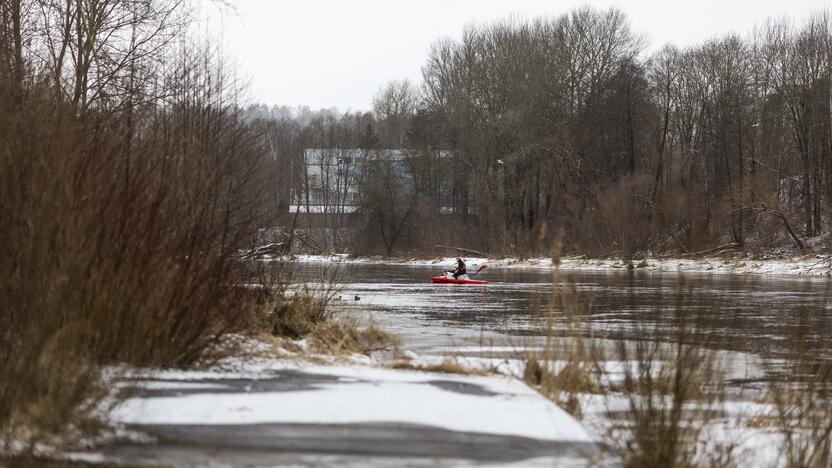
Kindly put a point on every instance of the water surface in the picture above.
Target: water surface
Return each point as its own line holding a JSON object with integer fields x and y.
{"x": 744, "y": 313}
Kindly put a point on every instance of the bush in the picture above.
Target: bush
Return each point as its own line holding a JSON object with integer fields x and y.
{"x": 295, "y": 315}
{"x": 119, "y": 241}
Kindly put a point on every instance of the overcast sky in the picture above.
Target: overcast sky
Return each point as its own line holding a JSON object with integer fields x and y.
{"x": 331, "y": 53}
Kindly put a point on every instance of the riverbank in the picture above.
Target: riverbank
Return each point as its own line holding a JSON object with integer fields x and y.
{"x": 292, "y": 407}
{"x": 281, "y": 405}
{"x": 804, "y": 265}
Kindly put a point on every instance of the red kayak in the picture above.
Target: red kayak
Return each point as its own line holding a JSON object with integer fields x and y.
{"x": 446, "y": 280}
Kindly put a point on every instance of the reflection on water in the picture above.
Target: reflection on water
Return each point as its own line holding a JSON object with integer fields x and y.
{"x": 750, "y": 313}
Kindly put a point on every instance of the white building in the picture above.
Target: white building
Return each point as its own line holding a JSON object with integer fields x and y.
{"x": 331, "y": 177}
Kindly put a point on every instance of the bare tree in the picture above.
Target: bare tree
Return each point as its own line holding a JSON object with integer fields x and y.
{"x": 393, "y": 106}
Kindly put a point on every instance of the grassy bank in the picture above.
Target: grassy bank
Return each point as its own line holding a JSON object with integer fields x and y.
{"x": 669, "y": 403}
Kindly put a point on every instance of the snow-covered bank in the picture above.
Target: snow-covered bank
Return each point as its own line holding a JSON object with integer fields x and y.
{"x": 807, "y": 265}
{"x": 274, "y": 405}
{"x": 352, "y": 394}
{"x": 280, "y": 408}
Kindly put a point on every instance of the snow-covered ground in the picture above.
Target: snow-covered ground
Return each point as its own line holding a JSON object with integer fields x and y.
{"x": 281, "y": 407}
{"x": 810, "y": 265}
{"x": 359, "y": 394}
{"x": 278, "y": 408}
{"x": 727, "y": 431}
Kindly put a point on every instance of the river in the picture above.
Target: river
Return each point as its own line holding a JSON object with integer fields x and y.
{"x": 764, "y": 315}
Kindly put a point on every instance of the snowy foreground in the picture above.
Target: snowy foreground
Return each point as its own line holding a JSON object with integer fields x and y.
{"x": 808, "y": 265}
{"x": 285, "y": 411}
{"x": 355, "y": 412}
{"x": 356, "y": 394}
{"x": 276, "y": 407}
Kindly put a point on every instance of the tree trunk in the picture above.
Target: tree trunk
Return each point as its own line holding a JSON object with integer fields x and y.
{"x": 17, "y": 38}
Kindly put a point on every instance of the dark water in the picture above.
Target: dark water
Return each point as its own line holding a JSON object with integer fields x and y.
{"x": 749, "y": 313}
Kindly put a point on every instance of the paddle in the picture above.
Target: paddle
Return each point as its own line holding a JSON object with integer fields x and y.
{"x": 481, "y": 268}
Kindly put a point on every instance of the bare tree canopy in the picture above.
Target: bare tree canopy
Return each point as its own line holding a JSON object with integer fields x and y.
{"x": 567, "y": 122}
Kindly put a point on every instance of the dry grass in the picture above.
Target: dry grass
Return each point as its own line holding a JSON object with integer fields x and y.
{"x": 802, "y": 411}
{"x": 568, "y": 365}
{"x": 762, "y": 421}
{"x": 661, "y": 382}
{"x": 446, "y": 366}
{"x": 563, "y": 386}
{"x": 344, "y": 336}
{"x": 302, "y": 312}
{"x": 295, "y": 315}
{"x": 674, "y": 392}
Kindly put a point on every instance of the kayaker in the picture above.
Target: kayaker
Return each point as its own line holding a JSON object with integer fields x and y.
{"x": 460, "y": 268}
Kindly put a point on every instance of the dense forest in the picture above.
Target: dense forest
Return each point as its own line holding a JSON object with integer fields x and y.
{"x": 572, "y": 123}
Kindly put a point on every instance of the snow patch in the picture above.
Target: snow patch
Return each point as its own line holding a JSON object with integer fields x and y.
{"x": 501, "y": 405}
{"x": 806, "y": 265}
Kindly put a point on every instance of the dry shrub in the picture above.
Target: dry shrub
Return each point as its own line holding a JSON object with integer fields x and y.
{"x": 293, "y": 310}
{"x": 301, "y": 312}
{"x": 61, "y": 387}
{"x": 620, "y": 222}
{"x": 672, "y": 390}
{"x": 567, "y": 365}
{"x": 625, "y": 218}
{"x": 120, "y": 238}
{"x": 345, "y": 336}
{"x": 296, "y": 314}
{"x": 802, "y": 410}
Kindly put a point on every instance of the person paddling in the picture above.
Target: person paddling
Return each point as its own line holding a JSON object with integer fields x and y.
{"x": 460, "y": 268}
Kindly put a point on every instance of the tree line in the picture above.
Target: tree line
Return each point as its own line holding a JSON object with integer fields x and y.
{"x": 569, "y": 122}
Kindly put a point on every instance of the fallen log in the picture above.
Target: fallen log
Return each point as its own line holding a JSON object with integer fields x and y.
{"x": 763, "y": 209}
{"x": 788, "y": 226}
{"x": 720, "y": 249}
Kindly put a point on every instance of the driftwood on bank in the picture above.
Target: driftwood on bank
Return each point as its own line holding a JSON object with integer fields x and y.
{"x": 782, "y": 217}
{"x": 462, "y": 250}
{"x": 715, "y": 250}
{"x": 272, "y": 249}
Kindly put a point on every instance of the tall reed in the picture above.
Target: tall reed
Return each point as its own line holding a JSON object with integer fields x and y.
{"x": 120, "y": 233}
